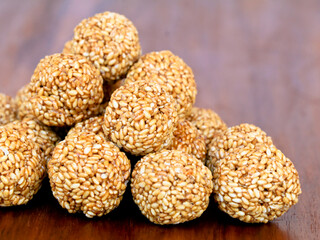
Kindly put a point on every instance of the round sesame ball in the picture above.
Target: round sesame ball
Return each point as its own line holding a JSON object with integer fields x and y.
{"x": 234, "y": 137}
{"x": 22, "y": 168}
{"x": 208, "y": 122}
{"x": 88, "y": 174}
{"x": 256, "y": 184}
{"x": 93, "y": 125}
{"x": 140, "y": 118}
{"x": 172, "y": 73}
{"x": 65, "y": 89}
{"x": 110, "y": 41}
{"x": 187, "y": 138}
{"x": 171, "y": 187}
{"x": 24, "y": 105}
{"x": 40, "y": 134}
{"x": 8, "y": 109}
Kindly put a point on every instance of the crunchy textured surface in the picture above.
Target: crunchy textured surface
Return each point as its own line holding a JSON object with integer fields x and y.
{"x": 21, "y": 167}
{"x": 110, "y": 41}
{"x": 40, "y": 134}
{"x": 140, "y": 118}
{"x": 208, "y": 122}
{"x": 65, "y": 89}
{"x": 256, "y": 184}
{"x": 171, "y": 187}
{"x": 24, "y": 105}
{"x": 171, "y": 72}
{"x": 88, "y": 174}
{"x": 187, "y": 138}
{"x": 93, "y": 125}
{"x": 234, "y": 137}
{"x": 8, "y": 109}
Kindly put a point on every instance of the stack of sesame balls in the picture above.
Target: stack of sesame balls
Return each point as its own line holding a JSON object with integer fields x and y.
{"x": 88, "y": 108}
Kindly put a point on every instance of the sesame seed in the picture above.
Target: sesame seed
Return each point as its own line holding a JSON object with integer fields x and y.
{"x": 86, "y": 176}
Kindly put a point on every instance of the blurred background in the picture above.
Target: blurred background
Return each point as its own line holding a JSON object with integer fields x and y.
{"x": 254, "y": 61}
{"x": 247, "y": 48}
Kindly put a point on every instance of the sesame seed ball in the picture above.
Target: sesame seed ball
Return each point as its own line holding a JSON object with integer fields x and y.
{"x": 187, "y": 138}
{"x": 171, "y": 187}
{"x": 140, "y": 118}
{"x": 38, "y": 133}
{"x": 8, "y": 109}
{"x": 65, "y": 89}
{"x": 208, "y": 122}
{"x": 24, "y": 105}
{"x": 110, "y": 41}
{"x": 93, "y": 125}
{"x": 256, "y": 184}
{"x": 21, "y": 167}
{"x": 171, "y": 72}
{"x": 88, "y": 174}
{"x": 234, "y": 137}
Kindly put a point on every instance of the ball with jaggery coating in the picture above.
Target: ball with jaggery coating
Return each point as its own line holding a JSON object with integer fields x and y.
{"x": 140, "y": 118}
{"x": 65, "y": 89}
{"x": 40, "y": 134}
{"x": 256, "y": 183}
{"x": 234, "y": 137}
{"x": 88, "y": 174}
{"x": 171, "y": 72}
{"x": 110, "y": 41}
{"x": 171, "y": 187}
{"x": 22, "y": 168}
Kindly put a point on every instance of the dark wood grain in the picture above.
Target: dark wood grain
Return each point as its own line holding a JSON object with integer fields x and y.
{"x": 254, "y": 61}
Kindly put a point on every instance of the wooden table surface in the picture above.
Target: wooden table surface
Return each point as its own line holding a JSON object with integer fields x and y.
{"x": 254, "y": 61}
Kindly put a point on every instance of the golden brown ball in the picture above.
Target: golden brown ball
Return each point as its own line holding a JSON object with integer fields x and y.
{"x": 172, "y": 73}
{"x": 140, "y": 118}
{"x": 65, "y": 89}
{"x": 256, "y": 183}
{"x": 234, "y": 137}
{"x": 88, "y": 174}
{"x": 110, "y": 41}
{"x": 171, "y": 187}
{"x": 22, "y": 168}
